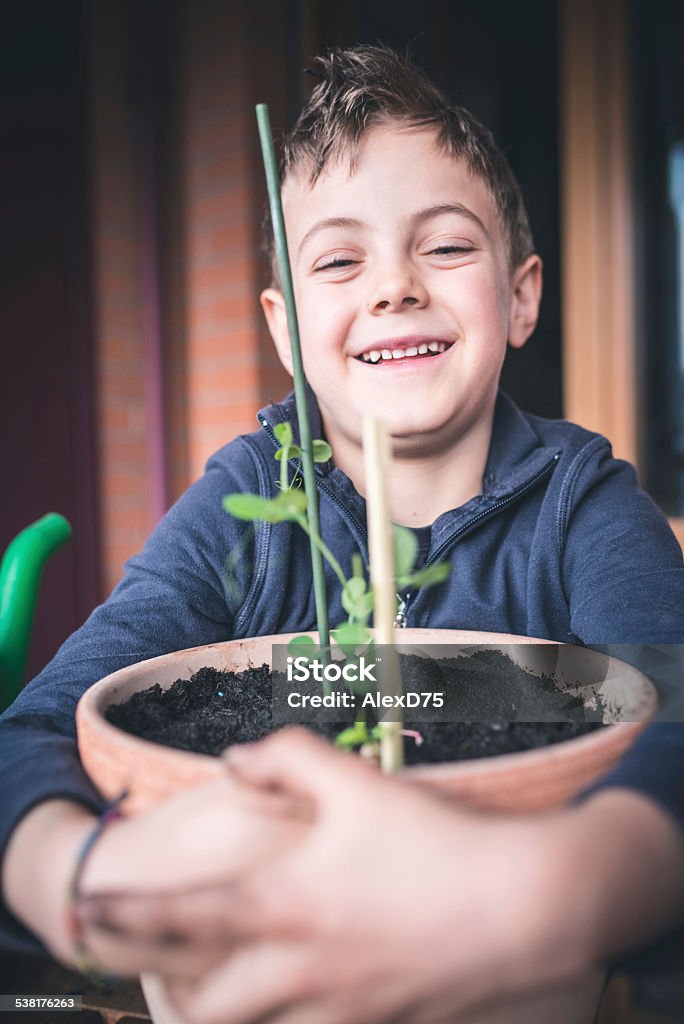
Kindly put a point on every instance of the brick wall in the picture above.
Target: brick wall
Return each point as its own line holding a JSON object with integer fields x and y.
{"x": 217, "y": 361}
{"x": 229, "y": 368}
{"x": 122, "y": 456}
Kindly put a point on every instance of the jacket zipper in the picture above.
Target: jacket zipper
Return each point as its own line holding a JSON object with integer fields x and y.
{"x": 529, "y": 486}
{"x": 321, "y": 486}
{"x": 403, "y": 599}
{"x": 402, "y": 608}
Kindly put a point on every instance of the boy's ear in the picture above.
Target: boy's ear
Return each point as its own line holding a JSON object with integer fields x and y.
{"x": 526, "y": 290}
{"x": 273, "y": 305}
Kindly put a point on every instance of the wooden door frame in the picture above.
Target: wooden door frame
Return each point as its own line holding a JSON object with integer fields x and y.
{"x": 600, "y": 295}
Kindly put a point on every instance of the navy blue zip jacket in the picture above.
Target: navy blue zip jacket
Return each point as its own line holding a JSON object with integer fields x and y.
{"x": 561, "y": 544}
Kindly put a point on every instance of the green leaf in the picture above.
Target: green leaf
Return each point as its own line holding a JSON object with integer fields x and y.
{"x": 322, "y": 452}
{"x": 288, "y": 452}
{"x": 245, "y": 506}
{"x": 350, "y": 636}
{"x": 354, "y": 736}
{"x": 283, "y": 432}
{"x": 405, "y": 550}
{"x": 288, "y": 505}
{"x": 356, "y": 599}
{"x": 352, "y": 591}
{"x": 426, "y": 577}
{"x": 293, "y": 500}
{"x": 303, "y": 646}
{"x": 357, "y": 565}
{"x": 304, "y": 640}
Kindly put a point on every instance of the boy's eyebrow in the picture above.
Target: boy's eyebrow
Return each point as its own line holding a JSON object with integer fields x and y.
{"x": 457, "y": 208}
{"x": 329, "y": 222}
{"x": 414, "y": 218}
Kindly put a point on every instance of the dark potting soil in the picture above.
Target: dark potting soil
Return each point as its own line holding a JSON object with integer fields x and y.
{"x": 488, "y": 699}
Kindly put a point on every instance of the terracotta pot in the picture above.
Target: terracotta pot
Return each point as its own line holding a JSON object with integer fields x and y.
{"x": 533, "y": 780}
{"x": 528, "y": 781}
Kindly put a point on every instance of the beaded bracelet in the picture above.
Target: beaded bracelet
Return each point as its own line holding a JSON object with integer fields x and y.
{"x": 83, "y": 958}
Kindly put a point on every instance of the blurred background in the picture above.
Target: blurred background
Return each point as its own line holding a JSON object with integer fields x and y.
{"x": 132, "y": 195}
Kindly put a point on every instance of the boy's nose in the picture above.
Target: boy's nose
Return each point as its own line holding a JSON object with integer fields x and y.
{"x": 394, "y": 294}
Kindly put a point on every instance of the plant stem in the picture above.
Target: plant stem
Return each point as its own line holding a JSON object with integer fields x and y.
{"x": 284, "y": 483}
{"x": 275, "y": 202}
{"x": 323, "y": 548}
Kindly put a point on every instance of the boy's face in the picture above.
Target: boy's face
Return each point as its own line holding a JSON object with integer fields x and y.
{"x": 403, "y": 253}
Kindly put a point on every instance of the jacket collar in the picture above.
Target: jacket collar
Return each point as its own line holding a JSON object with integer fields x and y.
{"x": 517, "y": 453}
{"x": 286, "y": 411}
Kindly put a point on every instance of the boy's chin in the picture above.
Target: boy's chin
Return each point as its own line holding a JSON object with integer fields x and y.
{"x": 413, "y": 423}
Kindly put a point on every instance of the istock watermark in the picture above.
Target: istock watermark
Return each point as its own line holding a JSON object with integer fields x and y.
{"x": 307, "y": 689}
{"x": 481, "y": 683}
{"x": 303, "y": 670}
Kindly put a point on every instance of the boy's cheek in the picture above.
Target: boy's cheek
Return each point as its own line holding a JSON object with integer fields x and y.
{"x": 324, "y": 331}
{"x": 484, "y": 312}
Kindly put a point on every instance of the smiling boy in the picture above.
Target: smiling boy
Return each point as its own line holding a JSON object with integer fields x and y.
{"x": 408, "y": 288}
{"x": 414, "y": 268}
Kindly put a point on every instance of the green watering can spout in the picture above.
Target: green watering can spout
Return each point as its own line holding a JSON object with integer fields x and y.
{"x": 20, "y": 572}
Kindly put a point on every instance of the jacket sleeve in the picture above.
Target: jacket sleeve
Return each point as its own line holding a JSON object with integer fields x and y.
{"x": 177, "y": 593}
{"x": 621, "y": 564}
{"x": 624, "y": 580}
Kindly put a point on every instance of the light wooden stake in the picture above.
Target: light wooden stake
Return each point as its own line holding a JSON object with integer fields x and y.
{"x": 377, "y": 457}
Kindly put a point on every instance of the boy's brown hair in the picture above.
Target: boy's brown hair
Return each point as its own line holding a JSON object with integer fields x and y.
{"x": 363, "y": 86}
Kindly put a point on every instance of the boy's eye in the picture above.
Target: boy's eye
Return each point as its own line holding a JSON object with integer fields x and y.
{"x": 450, "y": 250}
{"x": 336, "y": 261}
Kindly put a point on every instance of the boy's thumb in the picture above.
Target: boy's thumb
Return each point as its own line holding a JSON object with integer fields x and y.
{"x": 296, "y": 762}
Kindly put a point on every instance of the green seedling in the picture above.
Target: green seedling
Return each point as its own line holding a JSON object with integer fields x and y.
{"x": 353, "y": 637}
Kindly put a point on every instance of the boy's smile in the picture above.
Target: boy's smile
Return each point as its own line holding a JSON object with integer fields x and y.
{"x": 410, "y": 347}
{"x": 404, "y": 294}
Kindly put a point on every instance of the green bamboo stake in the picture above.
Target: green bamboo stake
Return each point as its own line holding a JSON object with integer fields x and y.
{"x": 275, "y": 203}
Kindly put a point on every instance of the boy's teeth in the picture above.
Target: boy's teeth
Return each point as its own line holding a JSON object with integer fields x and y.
{"x": 375, "y": 355}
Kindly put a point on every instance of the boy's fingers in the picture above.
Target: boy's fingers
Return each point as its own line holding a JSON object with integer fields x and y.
{"x": 250, "y": 988}
{"x": 228, "y": 913}
{"x": 197, "y": 914}
{"x": 298, "y": 762}
{"x": 118, "y": 954}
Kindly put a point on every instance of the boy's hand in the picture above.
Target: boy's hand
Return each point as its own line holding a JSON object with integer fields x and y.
{"x": 392, "y": 905}
{"x": 201, "y": 837}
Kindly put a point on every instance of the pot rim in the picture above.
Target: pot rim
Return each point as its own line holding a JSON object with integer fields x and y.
{"x": 100, "y": 695}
